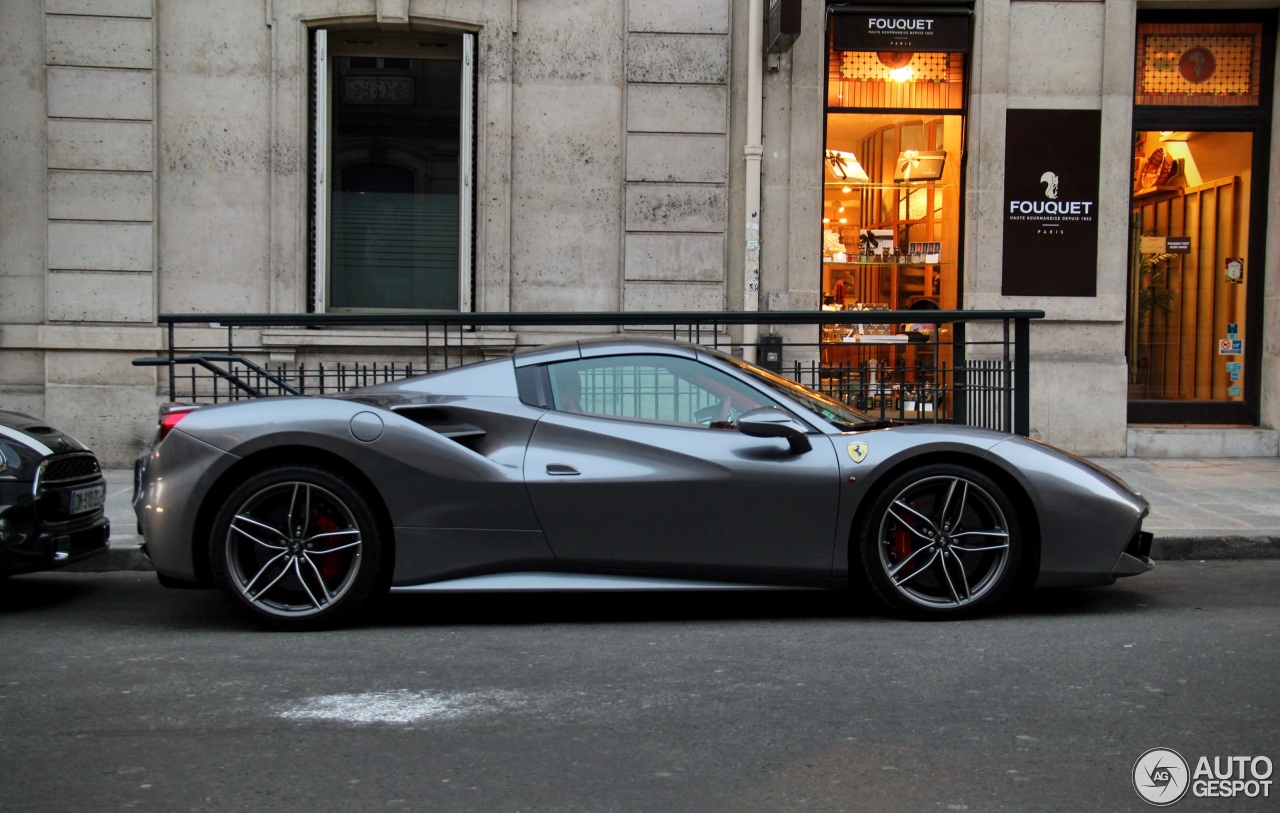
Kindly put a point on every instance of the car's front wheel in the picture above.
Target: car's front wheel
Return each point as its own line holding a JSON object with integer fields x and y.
{"x": 942, "y": 541}
{"x": 297, "y": 547}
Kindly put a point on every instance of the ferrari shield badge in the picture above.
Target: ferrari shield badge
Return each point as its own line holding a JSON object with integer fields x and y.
{"x": 858, "y": 451}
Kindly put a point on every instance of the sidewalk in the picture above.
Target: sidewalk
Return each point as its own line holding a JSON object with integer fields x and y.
{"x": 1207, "y": 508}
{"x": 1222, "y": 508}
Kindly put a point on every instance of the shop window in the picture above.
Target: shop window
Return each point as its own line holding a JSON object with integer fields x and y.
{"x": 1198, "y": 217}
{"x": 891, "y": 210}
{"x": 892, "y": 170}
{"x": 1188, "y": 289}
{"x": 892, "y": 194}
{"x": 392, "y": 162}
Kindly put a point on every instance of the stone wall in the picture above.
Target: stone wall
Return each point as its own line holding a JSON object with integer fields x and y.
{"x": 77, "y": 285}
{"x": 156, "y": 160}
{"x": 154, "y": 157}
{"x": 1075, "y": 54}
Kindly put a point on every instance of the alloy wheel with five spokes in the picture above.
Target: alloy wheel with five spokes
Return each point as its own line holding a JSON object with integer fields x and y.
{"x": 297, "y": 547}
{"x": 942, "y": 542}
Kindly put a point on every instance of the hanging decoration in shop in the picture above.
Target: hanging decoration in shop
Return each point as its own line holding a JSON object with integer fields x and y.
{"x": 895, "y": 59}
{"x": 1051, "y": 202}
{"x": 919, "y": 165}
{"x": 1156, "y": 170}
{"x": 844, "y": 166}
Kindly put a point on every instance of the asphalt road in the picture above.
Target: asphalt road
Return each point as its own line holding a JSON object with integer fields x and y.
{"x": 117, "y": 694}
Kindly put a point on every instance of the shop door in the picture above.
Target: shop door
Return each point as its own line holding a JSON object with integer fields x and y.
{"x": 1198, "y": 219}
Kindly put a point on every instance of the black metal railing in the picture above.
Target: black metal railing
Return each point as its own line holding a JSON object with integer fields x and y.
{"x": 961, "y": 367}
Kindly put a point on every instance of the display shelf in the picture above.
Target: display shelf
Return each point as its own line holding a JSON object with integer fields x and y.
{"x": 1156, "y": 190}
{"x": 912, "y": 185}
{"x": 847, "y": 265}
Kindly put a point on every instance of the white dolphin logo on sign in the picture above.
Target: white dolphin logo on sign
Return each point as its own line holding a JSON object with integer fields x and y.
{"x": 1051, "y": 185}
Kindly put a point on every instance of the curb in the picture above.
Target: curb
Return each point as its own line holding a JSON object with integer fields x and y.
{"x": 1215, "y": 547}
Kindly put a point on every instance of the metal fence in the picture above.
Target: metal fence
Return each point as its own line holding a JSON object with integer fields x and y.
{"x": 960, "y": 367}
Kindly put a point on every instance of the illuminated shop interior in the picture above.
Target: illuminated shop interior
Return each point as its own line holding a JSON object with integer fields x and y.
{"x": 891, "y": 185}
{"x": 1194, "y": 186}
{"x": 891, "y": 220}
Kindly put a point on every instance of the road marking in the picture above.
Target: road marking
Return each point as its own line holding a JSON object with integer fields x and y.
{"x": 400, "y": 707}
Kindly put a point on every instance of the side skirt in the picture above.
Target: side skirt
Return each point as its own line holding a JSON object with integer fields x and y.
{"x": 573, "y": 582}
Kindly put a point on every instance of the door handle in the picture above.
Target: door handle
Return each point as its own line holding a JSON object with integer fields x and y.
{"x": 561, "y": 469}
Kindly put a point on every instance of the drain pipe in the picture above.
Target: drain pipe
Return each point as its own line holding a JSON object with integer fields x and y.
{"x": 754, "y": 155}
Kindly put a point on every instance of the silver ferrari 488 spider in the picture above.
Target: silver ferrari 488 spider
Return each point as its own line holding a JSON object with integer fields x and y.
{"x": 614, "y": 465}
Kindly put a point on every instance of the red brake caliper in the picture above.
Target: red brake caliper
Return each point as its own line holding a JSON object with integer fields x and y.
{"x": 900, "y": 543}
{"x": 328, "y": 564}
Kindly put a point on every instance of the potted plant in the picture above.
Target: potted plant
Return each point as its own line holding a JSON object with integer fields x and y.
{"x": 1153, "y": 285}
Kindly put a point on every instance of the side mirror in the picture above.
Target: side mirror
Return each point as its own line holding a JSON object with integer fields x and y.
{"x": 772, "y": 422}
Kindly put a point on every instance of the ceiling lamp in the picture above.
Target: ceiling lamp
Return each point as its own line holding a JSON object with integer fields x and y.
{"x": 844, "y": 166}
{"x": 898, "y": 63}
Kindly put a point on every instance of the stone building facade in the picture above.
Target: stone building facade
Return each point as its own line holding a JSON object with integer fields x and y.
{"x": 168, "y": 156}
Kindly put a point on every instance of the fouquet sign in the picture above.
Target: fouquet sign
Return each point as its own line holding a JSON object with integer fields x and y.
{"x": 901, "y": 29}
{"x": 1051, "y": 202}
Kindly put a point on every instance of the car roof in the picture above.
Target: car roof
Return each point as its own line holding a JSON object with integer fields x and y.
{"x": 603, "y": 346}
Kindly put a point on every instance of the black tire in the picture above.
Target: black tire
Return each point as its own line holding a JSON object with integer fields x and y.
{"x": 290, "y": 575}
{"x": 940, "y": 542}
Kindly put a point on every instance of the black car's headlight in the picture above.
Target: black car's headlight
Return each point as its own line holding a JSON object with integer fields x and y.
{"x": 10, "y": 463}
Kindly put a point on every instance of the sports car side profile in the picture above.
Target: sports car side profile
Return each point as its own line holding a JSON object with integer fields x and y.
{"x": 614, "y": 464}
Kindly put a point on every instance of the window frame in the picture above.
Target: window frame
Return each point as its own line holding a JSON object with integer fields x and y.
{"x": 668, "y": 365}
{"x": 321, "y": 186}
{"x": 1254, "y": 119}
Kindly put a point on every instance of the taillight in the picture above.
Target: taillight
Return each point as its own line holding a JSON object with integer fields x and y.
{"x": 170, "y": 415}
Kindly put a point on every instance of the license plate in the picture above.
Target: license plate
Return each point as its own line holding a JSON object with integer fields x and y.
{"x": 87, "y": 499}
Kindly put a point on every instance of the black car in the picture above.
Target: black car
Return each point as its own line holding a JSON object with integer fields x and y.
{"x": 52, "y": 497}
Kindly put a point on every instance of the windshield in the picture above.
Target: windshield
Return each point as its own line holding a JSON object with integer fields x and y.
{"x": 846, "y": 418}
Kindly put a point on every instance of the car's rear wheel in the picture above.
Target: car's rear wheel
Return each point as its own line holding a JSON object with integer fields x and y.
{"x": 942, "y": 541}
{"x": 297, "y": 547}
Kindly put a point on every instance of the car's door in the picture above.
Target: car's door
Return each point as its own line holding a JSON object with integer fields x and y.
{"x": 638, "y": 466}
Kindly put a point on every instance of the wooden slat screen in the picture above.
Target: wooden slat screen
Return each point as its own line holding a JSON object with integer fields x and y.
{"x": 1178, "y": 347}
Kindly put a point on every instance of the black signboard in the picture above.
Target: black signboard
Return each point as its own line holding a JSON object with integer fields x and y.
{"x": 781, "y": 25}
{"x": 1051, "y": 202}
{"x": 901, "y": 28}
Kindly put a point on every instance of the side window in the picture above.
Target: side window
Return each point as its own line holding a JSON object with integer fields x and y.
{"x": 652, "y": 388}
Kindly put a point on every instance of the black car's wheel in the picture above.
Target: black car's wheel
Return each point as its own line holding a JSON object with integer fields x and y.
{"x": 942, "y": 541}
{"x": 297, "y": 547}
